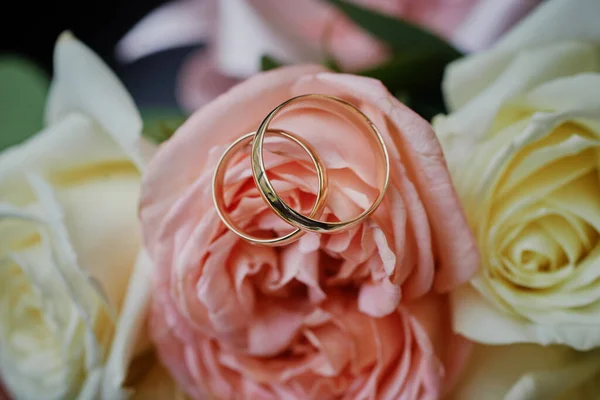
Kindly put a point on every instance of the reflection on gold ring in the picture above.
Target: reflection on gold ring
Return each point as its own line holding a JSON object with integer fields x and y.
{"x": 219, "y": 176}
{"x": 269, "y": 194}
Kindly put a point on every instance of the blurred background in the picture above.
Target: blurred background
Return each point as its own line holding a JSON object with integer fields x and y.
{"x": 175, "y": 56}
{"x": 30, "y": 31}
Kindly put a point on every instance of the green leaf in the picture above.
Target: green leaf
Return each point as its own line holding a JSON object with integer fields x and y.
{"x": 403, "y": 96}
{"x": 23, "y": 91}
{"x": 427, "y": 104}
{"x": 410, "y": 70}
{"x": 160, "y": 123}
{"x": 397, "y": 34}
{"x": 415, "y": 78}
{"x": 416, "y": 66}
{"x": 267, "y": 63}
{"x": 332, "y": 64}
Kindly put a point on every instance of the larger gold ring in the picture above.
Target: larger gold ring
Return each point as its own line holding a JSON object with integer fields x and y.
{"x": 269, "y": 194}
{"x": 219, "y": 176}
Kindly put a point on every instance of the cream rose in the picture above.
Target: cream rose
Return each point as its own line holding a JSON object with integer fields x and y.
{"x": 69, "y": 240}
{"x": 522, "y": 143}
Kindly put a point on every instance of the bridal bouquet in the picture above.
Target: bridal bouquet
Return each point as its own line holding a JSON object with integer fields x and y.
{"x": 475, "y": 276}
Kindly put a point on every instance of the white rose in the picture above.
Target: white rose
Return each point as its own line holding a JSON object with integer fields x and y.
{"x": 522, "y": 142}
{"x": 69, "y": 240}
{"x": 530, "y": 372}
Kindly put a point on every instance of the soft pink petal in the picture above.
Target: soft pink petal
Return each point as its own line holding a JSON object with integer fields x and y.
{"x": 323, "y": 317}
{"x": 177, "y": 23}
{"x": 379, "y": 298}
{"x": 423, "y": 156}
{"x": 273, "y": 328}
{"x": 200, "y": 81}
{"x": 488, "y": 20}
{"x": 209, "y": 127}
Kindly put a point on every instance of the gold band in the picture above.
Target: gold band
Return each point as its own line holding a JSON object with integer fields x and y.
{"x": 269, "y": 194}
{"x": 219, "y": 176}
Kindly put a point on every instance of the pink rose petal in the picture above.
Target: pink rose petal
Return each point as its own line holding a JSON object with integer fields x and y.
{"x": 352, "y": 315}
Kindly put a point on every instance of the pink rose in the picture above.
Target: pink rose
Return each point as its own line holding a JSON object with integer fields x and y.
{"x": 357, "y": 314}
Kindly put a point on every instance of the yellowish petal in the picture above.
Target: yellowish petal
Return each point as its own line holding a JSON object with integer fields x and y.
{"x": 100, "y": 214}
{"x": 83, "y": 83}
{"x": 481, "y": 320}
{"x": 549, "y": 23}
{"x": 527, "y": 70}
{"x": 131, "y": 337}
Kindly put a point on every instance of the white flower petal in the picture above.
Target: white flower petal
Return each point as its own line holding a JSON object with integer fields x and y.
{"x": 545, "y": 155}
{"x": 54, "y": 273}
{"x": 72, "y": 143}
{"x": 488, "y": 20}
{"x": 587, "y": 272}
{"x": 91, "y": 385}
{"x": 100, "y": 214}
{"x": 32, "y": 362}
{"x": 549, "y": 23}
{"x": 522, "y": 144}
{"x": 245, "y": 36}
{"x": 175, "y": 24}
{"x": 83, "y": 83}
{"x": 581, "y": 198}
{"x": 46, "y": 283}
{"x": 527, "y": 70}
{"x": 86, "y": 297}
{"x": 481, "y": 321}
{"x": 131, "y": 335}
{"x": 575, "y": 96}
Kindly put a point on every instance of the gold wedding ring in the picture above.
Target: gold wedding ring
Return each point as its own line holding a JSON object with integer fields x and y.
{"x": 300, "y": 222}
{"x": 287, "y": 213}
{"x": 219, "y": 176}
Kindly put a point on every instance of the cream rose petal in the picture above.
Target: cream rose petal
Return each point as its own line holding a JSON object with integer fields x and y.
{"x": 74, "y": 142}
{"x": 466, "y": 78}
{"x": 479, "y": 320}
{"x": 566, "y": 99}
{"x": 83, "y": 129}
{"x": 85, "y": 292}
{"x": 101, "y": 217}
{"x": 461, "y": 130}
{"x": 91, "y": 385}
{"x": 96, "y": 235}
{"x": 69, "y": 280}
{"x": 131, "y": 335}
{"x": 79, "y": 72}
{"x": 487, "y": 20}
{"x": 72, "y": 191}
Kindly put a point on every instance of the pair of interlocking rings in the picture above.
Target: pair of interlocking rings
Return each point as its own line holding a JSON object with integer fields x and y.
{"x": 301, "y": 223}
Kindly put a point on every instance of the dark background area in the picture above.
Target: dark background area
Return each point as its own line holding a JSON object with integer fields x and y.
{"x": 30, "y": 29}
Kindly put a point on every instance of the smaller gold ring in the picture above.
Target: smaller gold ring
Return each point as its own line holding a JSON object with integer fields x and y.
{"x": 219, "y": 175}
{"x": 274, "y": 201}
